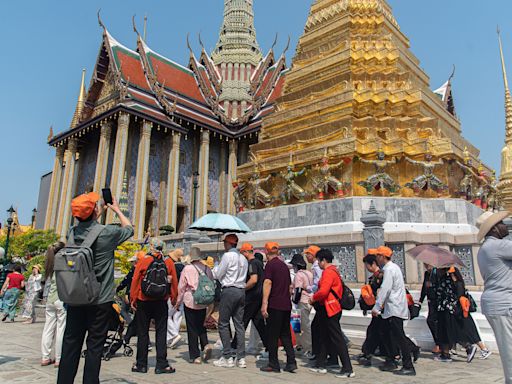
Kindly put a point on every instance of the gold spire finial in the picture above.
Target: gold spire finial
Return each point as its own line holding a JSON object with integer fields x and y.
{"x": 503, "y": 67}
{"x": 80, "y": 102}
{"x": 50, "y": 134}
{"x": 145, "y": 27}
{"x": 291, "y": 160}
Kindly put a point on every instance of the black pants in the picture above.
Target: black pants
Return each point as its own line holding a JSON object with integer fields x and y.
{"x": 278, "y": 327}
{"x": 131, "y": 330}
{"x": 93, "y": 320}
{"x": 432, "y": 320}
{"x": 316, "y": 342}
{"x": 196, "y": 331}
{"x": 252, "y": 311}
{"x": 147, "y": 310}
{"x": 330, "y": 330}
{"x": 396, "y": 337}
{"x": 375, "y": 337}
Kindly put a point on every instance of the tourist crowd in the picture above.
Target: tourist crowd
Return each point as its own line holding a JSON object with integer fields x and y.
{"x": 247, "y": 286}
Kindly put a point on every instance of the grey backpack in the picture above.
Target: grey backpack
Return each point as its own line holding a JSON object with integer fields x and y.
{"x": 76, "y": 280}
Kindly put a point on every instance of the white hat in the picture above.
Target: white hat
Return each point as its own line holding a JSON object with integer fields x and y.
{"x": 487, "y": 221}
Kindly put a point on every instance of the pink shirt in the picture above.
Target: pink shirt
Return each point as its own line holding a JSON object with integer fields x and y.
{"x": 189, "y": 280}
{"x": 303, "y": 279}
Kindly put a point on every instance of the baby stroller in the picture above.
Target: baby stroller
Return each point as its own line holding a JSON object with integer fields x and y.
{"x": 115, "y": 338}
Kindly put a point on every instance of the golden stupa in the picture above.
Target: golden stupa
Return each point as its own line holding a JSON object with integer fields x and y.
{"x": 357, "y": 102}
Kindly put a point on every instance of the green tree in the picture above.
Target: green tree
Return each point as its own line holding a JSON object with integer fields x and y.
{"x": 123, "y": 253}
{"x": 31, "y": 243}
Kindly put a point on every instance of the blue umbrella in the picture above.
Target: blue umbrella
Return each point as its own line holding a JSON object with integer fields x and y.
{"x": 220, "y": 222}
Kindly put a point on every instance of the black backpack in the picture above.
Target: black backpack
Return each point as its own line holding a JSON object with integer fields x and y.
{"x": 155, "y": 284}
{"x": 347, "y": 300}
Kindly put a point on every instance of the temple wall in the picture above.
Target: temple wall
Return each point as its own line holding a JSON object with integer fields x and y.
{"x": 111, "y": 150}
{"x": 157, "y": 162}
{"x": 87, "y": 165}
{"x": 185, "y": 176}
{"x": 131, "y": 166}
{"x": 214, "y": 169}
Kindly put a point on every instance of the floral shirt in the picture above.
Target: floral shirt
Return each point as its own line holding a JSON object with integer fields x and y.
{"x": 447, "y": 299}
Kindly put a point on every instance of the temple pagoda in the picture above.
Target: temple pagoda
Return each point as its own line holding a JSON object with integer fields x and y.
{"x": 166, "y": 138}
{"x": 357, "y": 117}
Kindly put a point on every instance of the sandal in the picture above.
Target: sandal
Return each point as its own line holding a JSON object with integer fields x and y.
{"x": 168, "y": 369}
{"x": 47, "y": 362}
{"x": 138, "y": 369}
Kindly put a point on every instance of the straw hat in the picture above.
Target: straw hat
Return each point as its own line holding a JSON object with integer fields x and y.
{"x": 195, "y": 254}
{"x": 177, "y": 254}
{"x": 487, "y": 221}
{"x": 38, "y": 267}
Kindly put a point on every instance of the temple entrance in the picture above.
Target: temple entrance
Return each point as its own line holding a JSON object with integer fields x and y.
{"x": 148, "y": 219}
{"x": 180, "y": 219}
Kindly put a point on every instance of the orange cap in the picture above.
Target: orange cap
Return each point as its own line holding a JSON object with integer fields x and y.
{"x": 271, "y": 245}
{"x": 247, "y": 247}
{"x": 83, "y": 206}
{"x": 371, "y": 251}
{"x": 312, "y": 249}
{"x": 452, "y": 269}
{"x": 384, "y": 251}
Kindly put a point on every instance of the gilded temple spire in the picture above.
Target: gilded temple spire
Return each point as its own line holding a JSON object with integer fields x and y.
{"x": 504, "y": 186}
{"x": 237, "y": 40}
{"x": 80, "y": 102}
{"x": 508, "y": 98}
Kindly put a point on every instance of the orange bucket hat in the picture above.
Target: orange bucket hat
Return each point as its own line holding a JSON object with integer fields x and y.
{"x": 385, "y": 251}
{"x": 312, "y": 250}
{"x": 83, "y": 206}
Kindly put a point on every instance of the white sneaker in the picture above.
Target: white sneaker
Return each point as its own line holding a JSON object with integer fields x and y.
{"x": 241, "y": 363}
{"x": 345, "y": 375}
{"x": 308, "y": 355}
{"x": 485, "y": 354}
{"x": 224, "y": 363}
{"x": 173, "y": 343}
{"x": 321, "y": 371}
{"x": 262, "y": 356}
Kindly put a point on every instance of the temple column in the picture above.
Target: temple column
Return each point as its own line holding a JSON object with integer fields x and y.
{"x": 171, "y": 201}
{"x": 232, "y": 176}
{"x": 119, "y": 163}
{"x": 204, "y": 157}
{"x": 64, "y": 216}
{"x": 141, "y": 180}
{"x": 100, "y": 176}
{"x": 53, "y": 196}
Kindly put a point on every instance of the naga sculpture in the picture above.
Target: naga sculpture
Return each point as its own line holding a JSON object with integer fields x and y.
{"x": 380, "y": 179}
{"x": 291, "y": 189}
{"x": 427, "y": 180}
{"x": 326, "y": 180}
{"x": 256, "y": 194}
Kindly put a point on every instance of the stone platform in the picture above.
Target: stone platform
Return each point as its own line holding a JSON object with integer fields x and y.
{"x": 20, "y": 357}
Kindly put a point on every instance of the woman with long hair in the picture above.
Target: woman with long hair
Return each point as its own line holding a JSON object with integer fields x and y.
{"x": 455, "y": 327}
{"x": 32, "y": 289}
{"x": 55, "y": 313}
{"x": 10, "y": 292}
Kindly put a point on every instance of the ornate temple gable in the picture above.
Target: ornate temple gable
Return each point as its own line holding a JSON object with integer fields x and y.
{"x": 168, "y": 105}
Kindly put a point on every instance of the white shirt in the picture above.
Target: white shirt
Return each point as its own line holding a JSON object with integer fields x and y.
{"x": 391, "y": 294}
{"x": 232, "y": 269}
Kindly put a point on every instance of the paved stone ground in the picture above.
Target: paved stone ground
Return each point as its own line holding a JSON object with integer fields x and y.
{"x": 20, "y": 357}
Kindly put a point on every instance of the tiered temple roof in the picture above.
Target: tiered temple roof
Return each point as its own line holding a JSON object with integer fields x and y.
{"x": 208, "y": 93}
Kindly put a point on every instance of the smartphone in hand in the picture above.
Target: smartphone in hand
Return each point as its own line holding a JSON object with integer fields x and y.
{"x": 107, "y": 195}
